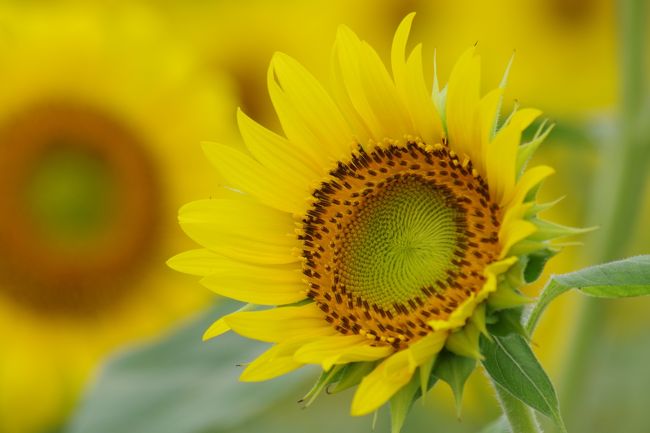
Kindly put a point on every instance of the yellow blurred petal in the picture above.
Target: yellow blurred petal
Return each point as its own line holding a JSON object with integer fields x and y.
{"x": 241, "y": 229}
{"x": 341, "y": 349}
{"x": 276, "y": 361}
{"x": 395, "y": 372}
{"x": 280, "y": 324}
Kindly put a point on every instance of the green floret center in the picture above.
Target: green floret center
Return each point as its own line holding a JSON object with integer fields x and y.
{"x": 401, "y": 240}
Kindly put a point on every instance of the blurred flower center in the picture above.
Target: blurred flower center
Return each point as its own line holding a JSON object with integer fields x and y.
{"x": 78, "y": 208}
{"x": 71, "y": 195}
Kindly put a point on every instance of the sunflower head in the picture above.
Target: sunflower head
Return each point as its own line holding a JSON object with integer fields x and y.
{"x": 388, "y": 228}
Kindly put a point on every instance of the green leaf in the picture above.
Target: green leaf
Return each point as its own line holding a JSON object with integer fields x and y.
{"x": 511, "y": 363}
{"x": 180, "y": 384}
{"x": 401, "y": 402}
{"x": 500, "y": 425}
{"x": 619, "y": 279}
{"x": 454, "y": 370}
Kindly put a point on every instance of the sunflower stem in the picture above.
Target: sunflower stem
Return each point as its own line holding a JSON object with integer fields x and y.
{"x": 626, "y": 172}
{"x": 521, "y": 418}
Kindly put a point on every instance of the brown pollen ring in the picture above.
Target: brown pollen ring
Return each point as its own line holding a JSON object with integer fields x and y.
{"x": 340, "y": 199}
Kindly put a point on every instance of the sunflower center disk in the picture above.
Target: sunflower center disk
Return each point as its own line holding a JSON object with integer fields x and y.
{"x": 398, "y": 237}
{"x": 400, "y": 240}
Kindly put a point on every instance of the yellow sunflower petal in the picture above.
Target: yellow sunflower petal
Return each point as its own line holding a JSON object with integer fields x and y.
{"x": 460, "y": 315}
{"x": 395, "y": 372}
{"x": 513, "y": 232}
{"x": 362, "y": 132}
{"x": 463, "y": 93}
{"x": 218, "y": 328}
{"x": 261, "y": 285}
{"x": 426, "y": 118}
{"x": 280, "y": 324}
{"x": 200, "y": 262}
{"x": 293, "y": 126}
{"x": 501, "y": 157}
{"x": 370, "y": 87}
{"x": 488, "y": 113}
{"x": 341, "y": 349}
{"x": 313, "y": 107}
{"x": 398, "y": 50}
{"x": 276, "y": 153}
{"x": 241, "y": 229}
{"x": 245, "y": 174}
{"x": 529, "y": 180}
{"x": 410, "y": 83}
{"x": 276, "y": 361}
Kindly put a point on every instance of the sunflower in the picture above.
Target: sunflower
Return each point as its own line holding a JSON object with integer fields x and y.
{"x": 389, "y": 225}
{"x": 91, "y": 116}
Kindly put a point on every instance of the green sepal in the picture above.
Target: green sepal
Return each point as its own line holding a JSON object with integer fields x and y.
{"x": 536, "y": 262}
{"x": 527, "y": 150}
{"x": 418, "y": 386}
{"x": 465, "y": 342}
{"x": 351, "y": 375}
{"x": 514, "y": 277}
{"x": 425, "y": 372}
{"x": 506, "y": 298}
{"x": 507, "y": 294}
{"x": 509, "y": 322}
{"x": 547, "y": 230}
{"x": 478, "y": 318}
{"x": 454, "y": 370}
{"x": 527, "y": 247}
{"x": 324, "y": 380}
{"x": 401, "y": 403}
{"x": 537, "y": 208}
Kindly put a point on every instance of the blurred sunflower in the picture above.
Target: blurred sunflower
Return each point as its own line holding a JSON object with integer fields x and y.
{"x": 546, "y": 34}
{"x": 387, "y": 227}
{"x": 96, "y": 107}
{"x": 260, "y": 27}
